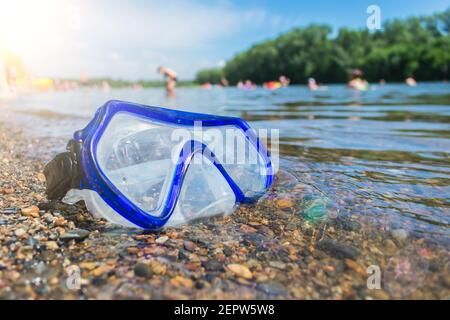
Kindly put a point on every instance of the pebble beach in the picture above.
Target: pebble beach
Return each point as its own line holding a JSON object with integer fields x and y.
{"x": 276, "y": 249}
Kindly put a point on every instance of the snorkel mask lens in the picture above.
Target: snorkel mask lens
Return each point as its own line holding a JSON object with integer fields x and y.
{"x": 148, "y": 167}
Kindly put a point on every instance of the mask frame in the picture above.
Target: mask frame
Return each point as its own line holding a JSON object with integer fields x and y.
{"x": 95, "y": 179}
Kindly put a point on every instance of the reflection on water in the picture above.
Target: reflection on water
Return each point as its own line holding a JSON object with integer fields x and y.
{"x": 383, "y": 153}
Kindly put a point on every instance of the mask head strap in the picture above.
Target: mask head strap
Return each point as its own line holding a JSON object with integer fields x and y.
{"x": 64, "y": 172}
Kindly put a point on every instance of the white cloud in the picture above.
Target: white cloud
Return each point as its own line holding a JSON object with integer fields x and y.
{"x": 130, "y": 38}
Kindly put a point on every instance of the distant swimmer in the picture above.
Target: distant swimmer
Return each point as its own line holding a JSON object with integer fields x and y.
{"x": 410, "y": 81}
{"x": 171, "y": 80}
{"x": 224, "y": 82}
{"x": 206, "y": 85}
{"x": 284, "y": 80}
{"x": 247, "y": 85}
{"x": 312, "y": 84}
{"x": 357, "y": 82}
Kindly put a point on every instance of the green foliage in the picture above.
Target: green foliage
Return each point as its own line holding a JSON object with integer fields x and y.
{"x": 418, "y": 46}
{"x": 209, "y": 75}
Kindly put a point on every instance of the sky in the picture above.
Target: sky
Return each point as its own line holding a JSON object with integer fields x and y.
{"x": 130, "y": 39}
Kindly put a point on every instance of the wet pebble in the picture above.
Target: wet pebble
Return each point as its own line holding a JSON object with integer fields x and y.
{"x": 143, "y": 270}
{"x": 348, "y": 224}
{"x": 272, "y": 288}
{"x": 389, "y": 247}
{"x": 240, "y": 270}
{"x": 75, "y": 234}
{"x": 32, "y": 211}
{"x": 213, "y": 265}
{"x": 399, "y": 235}
{"x": 189, "y": 245}
{"x": 338, "y": 249}
{"x": 162, "y": 239}
{"x": 9, "y": 211}
{"x": 19, "y": 232}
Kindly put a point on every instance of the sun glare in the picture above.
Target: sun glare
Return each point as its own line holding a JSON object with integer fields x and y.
{"x": 27, "y": 25}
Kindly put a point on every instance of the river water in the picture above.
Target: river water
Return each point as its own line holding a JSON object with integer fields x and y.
{"x": 382, "y": 153}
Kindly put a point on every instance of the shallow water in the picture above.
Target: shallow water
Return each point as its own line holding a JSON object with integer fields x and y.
{"x": 383, "y": 153}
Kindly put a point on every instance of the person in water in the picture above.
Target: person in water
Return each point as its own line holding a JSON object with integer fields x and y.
{"x": 357, "y": 82}
{"x": 285, "y": 81}
{"x": 410, "y": 81}
{"x": 170, "y": 79}
{"x": 312, "y": 84}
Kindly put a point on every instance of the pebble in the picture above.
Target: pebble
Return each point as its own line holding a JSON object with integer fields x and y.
{"x": 182, "y": 281}
{"x": 277, "y": 264}
{"x": 75, "y": 234}
{"x": 240, "y": 270}
{"x": 143, "y": 270}
{"x": 272, "y": 288}
{"x": 158, "y": 267}
{"x": 247, "y": 229}
{"x": 213, "y": 265}
{"x": 32, "y": 211}
{"x": 8, "y": 211}
{"x": 285, "y": 203}
{"x": 19, "y": 232}
{"x": 162, "y": 239}
{"x": 189, "y": 245}
{"x": 101, "y": 270}
{"x": 389, "y": 247}
{"x": 338, "y": 249}
{"x": 400, "y": 235}
{"x": 352, "y": 264}
{"x": 51, "y": 245}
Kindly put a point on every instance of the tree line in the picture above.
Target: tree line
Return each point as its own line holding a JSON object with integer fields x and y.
{"x": 416, "y": 46}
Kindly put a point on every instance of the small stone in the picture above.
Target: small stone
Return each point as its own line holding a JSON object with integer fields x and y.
{"x": 213, "y": 265}
{"x": 291, "y": 226}
{"x": 158, "y": 267}
{"x": 88, "y": 265}
{"x": 189, "y": 245}
{"x": 352, "y": 264}
{"x": 400, "y": 235}
{"x": 32, "y": 211}
{"x": 389, "y": 247}
{"x": 19, "y": 232}
{"x": 8, "y": 211}
{"x": 277, "y": 264}
{"x": 272, "y": 288}
{"x": 7, "y": 190}
{"x": 133, "y": 250}
{"x": 143, "y": 270}
{"x": 75, "y": 234}
{"x": 284, "y": 203}
{"x": 181, "y": 281}
{"x": 41, "y": 177}
{"x": 338, "y": 250}
{"x": 162, "y": 239}
{"x": 247, "y": 229}
{"x": 51, "y": 245}
{"x": 240, "y": 270}
{"x": 60, "y": 221}
{"x": 101, "y": 270}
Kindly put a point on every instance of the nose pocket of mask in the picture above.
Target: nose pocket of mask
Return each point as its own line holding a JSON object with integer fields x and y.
{"x": 204, "y": 193}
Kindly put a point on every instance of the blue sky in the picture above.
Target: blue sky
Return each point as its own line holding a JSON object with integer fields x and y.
{"x": 129, "y": 39}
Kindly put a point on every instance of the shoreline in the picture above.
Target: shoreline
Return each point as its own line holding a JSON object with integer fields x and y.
{"x": 265, "y": 251}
